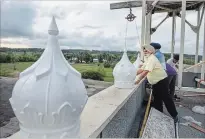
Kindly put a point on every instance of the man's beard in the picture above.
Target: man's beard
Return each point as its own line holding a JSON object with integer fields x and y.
{"x": 146, "y": 55}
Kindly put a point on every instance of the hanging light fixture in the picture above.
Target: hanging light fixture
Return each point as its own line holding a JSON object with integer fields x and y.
{"x": 130, "y": 17}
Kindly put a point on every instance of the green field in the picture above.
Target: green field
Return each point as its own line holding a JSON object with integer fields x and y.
{"x": 7, "y": 69}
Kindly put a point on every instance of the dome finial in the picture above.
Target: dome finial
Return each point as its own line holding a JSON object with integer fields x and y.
{"x": 53, "y": 29}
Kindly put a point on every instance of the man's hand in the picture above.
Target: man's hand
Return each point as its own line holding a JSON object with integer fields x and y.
{"x": 137, "y": 82}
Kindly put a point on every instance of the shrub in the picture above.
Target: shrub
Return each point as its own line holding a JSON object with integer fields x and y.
{"x": 101, "y": 69}
{"x": 188, "y": 62}
{"x": 113, "y": 65}
{"x": 107, "y": 65}
{"x": 92, "y": 75}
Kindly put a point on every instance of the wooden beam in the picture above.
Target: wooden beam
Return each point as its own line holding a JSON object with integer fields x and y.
{"x": 203, "y": 66}
{"x": 189, "y": 5}
{"x": 129, "y": 4}
{"x": 199, "y": 64}
{"x": 189, "y": 90}
{"x": 181, "y": 56}
{"x": 193, "y": 95}
{"x": 164, "y": 8}
{"x": 150, "y": 7}
{"x": 143, "y": 29}
{"x": 199, "y": 128}
{"x": 173, "y": 34}
{"x": 197, "y": 41}
{"x": 136, "y": 3}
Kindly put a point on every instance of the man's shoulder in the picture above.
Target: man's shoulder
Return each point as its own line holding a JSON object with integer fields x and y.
{"x": 170, "y": 60}
{"x": 153, "y": 59}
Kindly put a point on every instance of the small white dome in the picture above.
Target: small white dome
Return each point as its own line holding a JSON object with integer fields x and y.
{"x": 50, "y": 95}
{"x": 124, "y": 73}
{"x": 137, "y": 62}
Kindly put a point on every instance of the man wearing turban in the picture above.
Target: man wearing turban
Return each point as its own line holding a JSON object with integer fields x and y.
{"x": 157, "y": 77}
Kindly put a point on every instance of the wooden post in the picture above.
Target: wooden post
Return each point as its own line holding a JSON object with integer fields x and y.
{"x": 143, "y": 28}
{"x": 148, "y": 28}
{"x": 203, "y": 66}
{"x": 181, "y": 57}
{"x": 173, "y": 34}
{"x": 197, "y": 40}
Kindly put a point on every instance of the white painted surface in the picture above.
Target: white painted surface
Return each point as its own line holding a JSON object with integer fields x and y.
{"x": 192, "y": 120}
{"x": 143, "y": 28}
{"x": 173, "y": 34}
{"x": 199, "y": 109}
{"x": 148, "y": 25}
{"x": 201, "y": 81}
{"x": 49, "y": 96}
{"x": 191, "y": 90}
{"x": 203, "y": 66}
{"x": 181, "y": 56}
{"x": 197, "y": 40}
{"x": 101, "y": 108}
{"x": 124, "y": 73}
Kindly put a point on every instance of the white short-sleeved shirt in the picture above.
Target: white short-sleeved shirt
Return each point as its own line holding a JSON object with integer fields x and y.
{"x": 156, "y": 70}
{"x": 172, "y": 64}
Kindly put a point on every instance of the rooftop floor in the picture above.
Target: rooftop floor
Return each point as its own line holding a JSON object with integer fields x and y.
{"x": 184, "y": 108}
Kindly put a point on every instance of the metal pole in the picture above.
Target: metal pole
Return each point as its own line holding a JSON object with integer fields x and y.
{"x": 143, "y": 28}
{"x": 197, "y": 41}
{"x": 181, "y": 57}
{"x": 203, "y": 66}
{"x": 173, "y": 34}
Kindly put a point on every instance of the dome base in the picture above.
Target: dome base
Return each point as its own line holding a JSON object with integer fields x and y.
{"x": 124, "y": 85}
{"x": 64, "y": 133}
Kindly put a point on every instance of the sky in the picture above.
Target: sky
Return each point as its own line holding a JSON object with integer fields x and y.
{"x": 89, "y": 25}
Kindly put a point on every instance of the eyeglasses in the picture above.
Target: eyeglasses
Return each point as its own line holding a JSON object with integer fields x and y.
{"x": 145, "y": 50}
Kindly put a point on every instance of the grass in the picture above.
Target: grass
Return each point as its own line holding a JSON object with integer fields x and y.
{"x": 7, "y": 69}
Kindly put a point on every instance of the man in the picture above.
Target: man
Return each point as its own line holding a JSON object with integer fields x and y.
{"x": 173, "y": 62}
{"x": 157, "y": 77}
{"x": 171, "y": 72}
{"x": 158, "y": 54}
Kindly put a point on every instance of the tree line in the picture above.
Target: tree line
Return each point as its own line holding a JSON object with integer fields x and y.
{"x": 12, "y": 55}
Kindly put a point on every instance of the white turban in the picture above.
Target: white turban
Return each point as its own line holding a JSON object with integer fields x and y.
{"x": 149, "y": 48}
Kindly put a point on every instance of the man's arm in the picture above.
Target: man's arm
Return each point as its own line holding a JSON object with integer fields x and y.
{"x": 142, "y": 76}
{"x": 169, "y": 61}
{"x": 177, "y": 66}
{"x": 139, "y": 71}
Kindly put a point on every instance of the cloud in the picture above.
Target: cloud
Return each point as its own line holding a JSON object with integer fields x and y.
{"x": 17, "y": 18}
{"x": 90, "y": 25}
{"x": 57, "y": 11}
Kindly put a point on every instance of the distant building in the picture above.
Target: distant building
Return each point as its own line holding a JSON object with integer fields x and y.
{"x": 95, "y": 60}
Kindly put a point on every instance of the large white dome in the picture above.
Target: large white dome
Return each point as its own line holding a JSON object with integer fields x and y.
{"x": 124, "y": 73}
{"x": 50, "y": 95}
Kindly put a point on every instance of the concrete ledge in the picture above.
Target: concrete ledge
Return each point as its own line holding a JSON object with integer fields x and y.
{"x": 102, "y": 109}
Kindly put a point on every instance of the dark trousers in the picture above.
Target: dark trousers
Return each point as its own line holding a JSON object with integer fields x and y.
{"x": 172, "y": 83}
{"x": 161, "y": 94}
